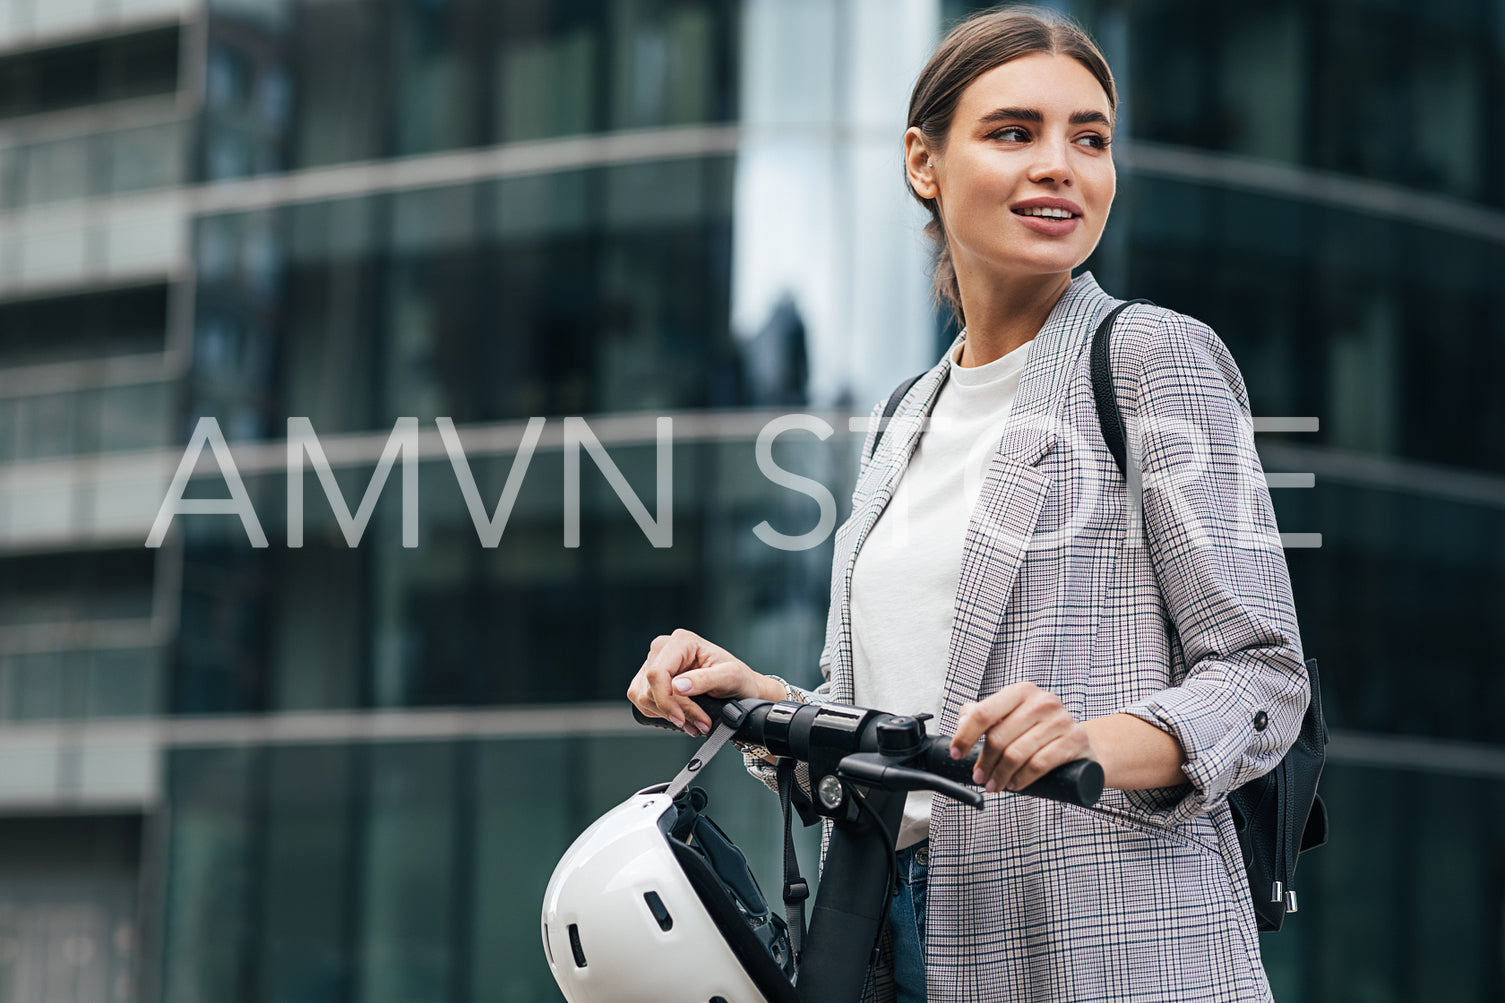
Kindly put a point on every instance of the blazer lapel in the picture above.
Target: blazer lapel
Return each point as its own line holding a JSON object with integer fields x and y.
{"x": 1014, "y": 491}
{"x": 871, "y": 496}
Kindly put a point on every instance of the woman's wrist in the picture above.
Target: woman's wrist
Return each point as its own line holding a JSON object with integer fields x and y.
{"x": 773, "y": 688}
{"x": 1134, "y": 754}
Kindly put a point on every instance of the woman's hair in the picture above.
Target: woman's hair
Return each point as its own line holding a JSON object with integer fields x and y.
{"x": 972, "y": 48}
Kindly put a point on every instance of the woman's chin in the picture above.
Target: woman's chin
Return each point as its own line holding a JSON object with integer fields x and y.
{"x": 1037, "y": 261}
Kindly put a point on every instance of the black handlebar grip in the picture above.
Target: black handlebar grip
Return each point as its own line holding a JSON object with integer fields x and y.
{"x": 653, "y": 722}
{"x": 1079, "y": 782}
{"x": 938, "y": 760}
{"x": 711, "y": 705}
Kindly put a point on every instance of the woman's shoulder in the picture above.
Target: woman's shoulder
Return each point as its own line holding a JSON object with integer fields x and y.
{"x": 1152, "y": 346}
{"x": 1151, "y": 329}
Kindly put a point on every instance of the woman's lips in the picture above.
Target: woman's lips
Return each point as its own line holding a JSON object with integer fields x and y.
{"x": 1053, "y": 227}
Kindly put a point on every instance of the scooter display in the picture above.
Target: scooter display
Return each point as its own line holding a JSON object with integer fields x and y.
{"x": 653, "y": 902}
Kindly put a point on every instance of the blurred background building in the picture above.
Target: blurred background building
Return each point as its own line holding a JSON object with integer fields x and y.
{"x": 231, "y": 774}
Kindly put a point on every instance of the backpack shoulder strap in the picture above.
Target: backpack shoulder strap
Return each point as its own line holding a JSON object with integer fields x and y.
{"x": 1109, "y": 419}
{"x": 892, "y": 406}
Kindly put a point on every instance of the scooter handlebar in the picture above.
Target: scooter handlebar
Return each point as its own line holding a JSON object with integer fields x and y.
{"x": 711, "y": 705}
{"x": 1079, "y": 782}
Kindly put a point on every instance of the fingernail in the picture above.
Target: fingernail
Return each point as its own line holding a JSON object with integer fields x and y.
{"x": 978, "y": 776}
{"x": 702, "y": 727}
{"x": 956, "y": 753}
{"x": 992, "y": 787}
{"x": 682, "y": 684}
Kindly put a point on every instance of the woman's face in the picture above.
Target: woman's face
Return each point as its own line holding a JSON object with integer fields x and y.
{"x": 1034, "y": 128}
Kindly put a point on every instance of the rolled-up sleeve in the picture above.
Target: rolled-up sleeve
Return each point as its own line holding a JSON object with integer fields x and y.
{"x": 1216, "y": 552}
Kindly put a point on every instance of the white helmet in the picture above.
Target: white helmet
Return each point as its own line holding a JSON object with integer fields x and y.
{"x": 654, "y": 903}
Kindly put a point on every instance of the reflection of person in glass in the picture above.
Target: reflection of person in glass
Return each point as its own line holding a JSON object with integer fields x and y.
{"x": 1013, "y": 602}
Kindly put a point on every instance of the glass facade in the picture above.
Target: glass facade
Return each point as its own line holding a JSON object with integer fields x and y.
{"x": 306, "y": 83}
{"x": 1400, "y": 93}
{"x": 392, "y": 871}
{"x": 336, "y": 772}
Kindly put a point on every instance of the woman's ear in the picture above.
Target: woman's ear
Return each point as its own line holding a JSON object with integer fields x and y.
{"x": 919, "y": 164}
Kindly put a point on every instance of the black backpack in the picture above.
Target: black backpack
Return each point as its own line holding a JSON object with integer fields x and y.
{"x": 1279, "y": 815}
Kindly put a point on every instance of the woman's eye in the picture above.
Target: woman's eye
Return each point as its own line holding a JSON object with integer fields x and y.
{"x": 1009, "y": 131}
{"x": 1014, "y": 133}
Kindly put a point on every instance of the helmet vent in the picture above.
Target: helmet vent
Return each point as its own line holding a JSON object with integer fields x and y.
{"x": 547, "y": 950}
{"x": 718, "y": 999}
{"x": 660, "y": 913}
{"x": 575, "y": 946}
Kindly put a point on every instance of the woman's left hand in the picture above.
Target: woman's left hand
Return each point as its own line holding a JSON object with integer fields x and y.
{"x": 1029, "y": 733}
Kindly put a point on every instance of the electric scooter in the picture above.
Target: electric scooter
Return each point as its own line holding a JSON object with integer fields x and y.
{"x": 862, "y": 763}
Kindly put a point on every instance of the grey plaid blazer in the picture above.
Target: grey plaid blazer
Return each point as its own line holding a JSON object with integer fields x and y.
{"x": 1182, "y": 617}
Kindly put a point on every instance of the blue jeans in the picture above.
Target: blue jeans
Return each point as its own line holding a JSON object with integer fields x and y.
{"x": 906, "y": 919}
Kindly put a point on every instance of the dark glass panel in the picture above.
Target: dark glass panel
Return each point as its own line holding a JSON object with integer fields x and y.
{"x": 120, "y": 321}
{"x": 306, "y": 899}
{"x": 68, "y": 920}
{"x": 1382, "y": 91}
{"x": 438, "y": 62}
{"x": 409, "y": 948}
{"x": 547, "y": 74}
{"x": 221, "y": 650}
{"x": 210, "y": 876}
{"x": 70, "y": 587}
{"x": 125, "y": 682}
{"x": 1394, "y": 597}
{"x": 452, "y": 623}
{"x": 1385, "y": 330}
{"x": 1406, "y": 900}
{"x": 318, "y": 620}
{"x": 566, "y": 294}
{"x": 319, "y": 82}
{"x": 341, "y": 86}
{"x": 113, "y": 68}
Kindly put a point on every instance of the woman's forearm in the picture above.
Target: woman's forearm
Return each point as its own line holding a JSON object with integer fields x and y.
{"x": 1135, "y": 754}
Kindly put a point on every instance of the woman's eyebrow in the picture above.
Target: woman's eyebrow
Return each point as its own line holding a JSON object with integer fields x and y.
{"x": 1035, "y": 115}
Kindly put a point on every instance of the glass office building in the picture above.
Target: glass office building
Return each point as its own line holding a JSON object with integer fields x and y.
{"x": 237, "y": 773}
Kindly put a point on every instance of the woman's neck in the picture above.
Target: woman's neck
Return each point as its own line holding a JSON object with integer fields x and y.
{"x": 1004, "y": 314}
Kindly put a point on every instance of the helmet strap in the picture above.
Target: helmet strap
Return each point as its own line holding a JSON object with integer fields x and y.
{"x": 713, "y": 744}
{"x": 796, "y": 888}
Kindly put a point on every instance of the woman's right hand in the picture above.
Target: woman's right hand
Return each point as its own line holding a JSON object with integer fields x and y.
{"x": 682, "y": 665}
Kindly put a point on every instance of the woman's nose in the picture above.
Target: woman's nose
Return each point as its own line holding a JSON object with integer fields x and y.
{"x": 1051, "y": 162}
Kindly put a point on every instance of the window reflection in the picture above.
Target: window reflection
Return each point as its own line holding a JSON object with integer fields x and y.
{"x": 564, "y": 294}
{"x": 546, "y": 75}
{"x": 115, "y": 67}
{"x": 1367, "y": 323}
{"x": 86, "y": 421}
{"x": 210, "y": 881}
{"x": 409, "y": 874}
{"x": 1433, "y": 928}
{"x": 336, "y": 81}
{"x": 401, "y": 871}
{"x": 1376, "y": 91}
{"x": 454, "y": 624}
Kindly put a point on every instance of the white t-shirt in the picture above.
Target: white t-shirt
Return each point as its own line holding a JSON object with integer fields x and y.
{"x": 904, "y": 581}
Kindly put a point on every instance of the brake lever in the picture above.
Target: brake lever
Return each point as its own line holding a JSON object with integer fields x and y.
{"x": 875, "y": 770}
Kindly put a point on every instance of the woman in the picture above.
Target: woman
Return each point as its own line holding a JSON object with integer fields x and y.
{"x": 1011, "y": 591}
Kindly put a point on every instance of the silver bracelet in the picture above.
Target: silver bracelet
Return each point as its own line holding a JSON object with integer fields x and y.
{"x": 790, "y": 693}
